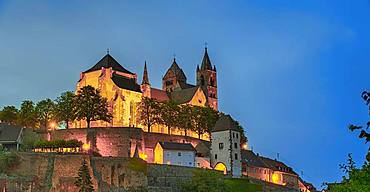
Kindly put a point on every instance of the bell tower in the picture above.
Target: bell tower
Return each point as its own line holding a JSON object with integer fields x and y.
{"x": 207, "y": 80}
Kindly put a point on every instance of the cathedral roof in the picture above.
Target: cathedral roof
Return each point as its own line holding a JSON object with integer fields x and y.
{"x": 206, "y": 62}
{"x": 108, "y": 62}
{"x": 145, "y": 76}
{"x": 183, "y": 95}
{"x": 125, "y": 83}
{"x": 176, "y": 71}
{"x": 159, "y": 94}
{"x": 226, "y": 122}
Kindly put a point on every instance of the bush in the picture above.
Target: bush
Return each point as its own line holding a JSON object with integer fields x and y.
{"x": 8, "y": 161}
{"x": 205, "y": 181}
{"x": 57, "y": 144}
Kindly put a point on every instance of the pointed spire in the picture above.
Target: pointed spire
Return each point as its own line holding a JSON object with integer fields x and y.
{"x": 197, "y": 68}
{"x": 145, "y": 76}
{"x": 206, "y": 62}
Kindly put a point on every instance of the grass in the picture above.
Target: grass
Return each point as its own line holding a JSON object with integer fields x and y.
{"x": 241, "y": 185}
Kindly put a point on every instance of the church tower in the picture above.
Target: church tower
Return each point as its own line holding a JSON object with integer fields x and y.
{"x": 145, "y": 85}
{"x": 207, "y": 80}
{"x": 174, "y": 77}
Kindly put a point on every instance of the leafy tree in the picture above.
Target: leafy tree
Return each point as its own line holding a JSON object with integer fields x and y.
{"x": 83, "y": 181}
{"x": 184, "y": 118}
{"x": 64, "y": 108}
{"x": 148, "y": 112}
{"x": 364, "y": 134}
{"x": 169, "y": 112}
{"x": 203, "y": 119}
{"x": 205, "y": 181}
{"x": 44, "y": 110}
{"x": 27, "y": 114}
{"x": 9, "y": 115}
{"x": 91, "y": 106}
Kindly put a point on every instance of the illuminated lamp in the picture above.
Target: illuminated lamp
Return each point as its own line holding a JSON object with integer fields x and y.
{"x": 275, "y": 178}
{"x": 86, "y": 146}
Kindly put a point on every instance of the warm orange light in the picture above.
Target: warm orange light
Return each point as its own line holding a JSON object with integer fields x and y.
{"x": 220, "y": 167}
{"x": 143, "y": 156}
{"x": 86, "y": 146}
{"x": 275, "y": 178}
{"x": 245, "y": 146}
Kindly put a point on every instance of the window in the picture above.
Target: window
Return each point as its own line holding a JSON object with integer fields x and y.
{"x": 169, "y": 83}
{"x": 235, "y": 145}
{"x": 221, "y": 146}
{"x": 236, "y": 156}
{"x": 202, "y": 82}
{"x": 233, "y": 135}
{"x": 215, "y": 156}
{"x": 237, "y": 135}
{"x": 190, "y": 163}
{"x": 179, "y": 154}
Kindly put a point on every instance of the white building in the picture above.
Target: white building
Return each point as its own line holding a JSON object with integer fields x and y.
{"x": 225, "y": 146}
{"x": 182, "y": 154}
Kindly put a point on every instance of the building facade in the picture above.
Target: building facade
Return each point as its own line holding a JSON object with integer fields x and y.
{"x": 170, "y": 153}
{"x": 123, "y": 92}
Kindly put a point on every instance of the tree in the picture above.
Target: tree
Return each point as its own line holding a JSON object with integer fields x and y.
{"x": 184, "y": 119}
{"x": 91, "y": 106}
{"x": 364, "y": 134}
{"x": 64, "y": 108}
{"x": 148, "y": 112}
{"x": 169, "y": 112}
{"x": 83, "y": 181}
{"x": 27, "y": 114}
{"x": 203, "y": 119}
{"x": 9, "y": 115}
{"x": 44, "y": 110}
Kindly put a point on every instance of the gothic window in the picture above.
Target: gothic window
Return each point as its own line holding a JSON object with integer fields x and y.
{"x": 212, "y": 82}
{"x": 235, "y": 145}
{"x": 202, "y": 80}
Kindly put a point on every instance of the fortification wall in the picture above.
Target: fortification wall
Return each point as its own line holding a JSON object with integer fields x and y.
{"x": 120, "y": 141}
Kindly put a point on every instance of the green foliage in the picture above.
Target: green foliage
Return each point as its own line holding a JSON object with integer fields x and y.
{"x": 27, "y": 114}
{"x": 148, "y": 113}
{"x": 9, "y": 115}
{"x": 57, "y": 144}
{"x": 241, "y": 185}
{"x": 205, "y": 181}
{"x": 138, "y": 165}
{"x": 64, "y": 108}
{"x": 44, "y": 112}
{"x": 83, "y": 181}
{"x": 91, "y": 106}
{"x": 29, "y": 139}
{"x": 169, "y": 112}
{"x": 8, "y": 161}
{"x": 203, "y": 119}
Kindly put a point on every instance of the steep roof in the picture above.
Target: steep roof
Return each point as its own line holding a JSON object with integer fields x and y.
{"x": 183, "y": 95}
{"x": 252, "y": 159}
{"x": 9, "y": 133}
{"x": 177, "y": 146}
{"x": 203, "y": 148}
{"x": 125, "y": 83}
{"x": 206, "y": 62}
{"x": 145, "y": 76}
{"x": 225, "y": 122}
{"x": 277, "y": 165}
{"x": 159, "y": 94}
{"x": 108, "y": 62}
{"x": 176, "y": 71}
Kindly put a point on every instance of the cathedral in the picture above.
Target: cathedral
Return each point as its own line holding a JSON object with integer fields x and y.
{"x": 123, "y": 92}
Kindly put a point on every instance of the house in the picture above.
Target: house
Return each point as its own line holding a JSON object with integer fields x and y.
{"x": 171, "y": 153}
{"x": 203, "y": 156}
{"x": 253, "y": 166}
{"x": 10, "y": 136}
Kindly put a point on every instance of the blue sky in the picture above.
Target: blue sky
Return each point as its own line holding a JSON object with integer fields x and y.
{"x": 290, "y": 71}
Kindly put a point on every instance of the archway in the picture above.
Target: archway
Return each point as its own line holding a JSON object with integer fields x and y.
{"x": 220, "y": 167}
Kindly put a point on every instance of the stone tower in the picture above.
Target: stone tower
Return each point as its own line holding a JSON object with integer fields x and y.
{"x": 173, "y": 78}
{"x": 207, "y": 80}
{"x": 225, "y": 146}
{"x": 145, "y": 85}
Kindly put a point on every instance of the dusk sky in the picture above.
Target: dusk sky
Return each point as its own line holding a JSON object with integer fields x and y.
{"x": 291, "y": 72}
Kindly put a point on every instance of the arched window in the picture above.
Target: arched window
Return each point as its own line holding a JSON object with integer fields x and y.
{"x": 202, "y": 80}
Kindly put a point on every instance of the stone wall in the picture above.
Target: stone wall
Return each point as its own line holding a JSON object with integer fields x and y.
{"x": 57, "y": 173}
{"x": 120, "y": 141}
